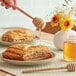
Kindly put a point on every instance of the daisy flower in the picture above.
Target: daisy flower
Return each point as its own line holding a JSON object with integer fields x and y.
{"x": 56, "y": 19}
{"x": 66, "y": 23}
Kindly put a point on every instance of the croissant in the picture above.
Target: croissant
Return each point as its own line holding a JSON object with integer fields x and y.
{"x": 38, "y": 52}
{"x": 15, "y": 52}
{"x": 18, "y": 35}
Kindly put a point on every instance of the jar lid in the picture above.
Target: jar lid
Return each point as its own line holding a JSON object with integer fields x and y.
{"x": 72, "y": 39}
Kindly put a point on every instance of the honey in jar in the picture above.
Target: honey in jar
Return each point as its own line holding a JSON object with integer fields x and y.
{"x": 70, "y": 49}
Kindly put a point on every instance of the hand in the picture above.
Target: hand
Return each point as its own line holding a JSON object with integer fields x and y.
{"x": 9, "y": 3}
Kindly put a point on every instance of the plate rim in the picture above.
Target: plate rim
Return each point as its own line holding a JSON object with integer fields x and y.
{"x": 4, "y": 43}
{"x": 17, "y": 42}
{"x": 4, "y": 59}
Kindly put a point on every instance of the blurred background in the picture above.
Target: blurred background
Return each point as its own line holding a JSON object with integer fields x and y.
{"x": 39, "y": 8}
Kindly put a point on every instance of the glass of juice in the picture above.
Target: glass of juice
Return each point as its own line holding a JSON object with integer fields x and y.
{"x": 70, "y": 49}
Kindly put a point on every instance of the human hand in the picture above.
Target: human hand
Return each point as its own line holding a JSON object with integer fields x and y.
{"x": 9, "y": 3}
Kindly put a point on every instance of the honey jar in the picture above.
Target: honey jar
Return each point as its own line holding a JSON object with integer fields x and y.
{"x": 70, "y": 49}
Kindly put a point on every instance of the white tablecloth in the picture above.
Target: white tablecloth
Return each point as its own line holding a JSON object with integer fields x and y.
{"x": 57, "y": 62}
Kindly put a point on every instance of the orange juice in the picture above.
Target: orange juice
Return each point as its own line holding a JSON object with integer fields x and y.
{"x": 70, "y": 51}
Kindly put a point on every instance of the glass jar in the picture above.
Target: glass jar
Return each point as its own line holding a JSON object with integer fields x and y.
{"x": 70, "y": 49}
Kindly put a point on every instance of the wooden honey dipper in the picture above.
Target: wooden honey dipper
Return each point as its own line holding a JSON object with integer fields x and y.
{"x": 69, "y": 67}
{"x": 38, "y": 22}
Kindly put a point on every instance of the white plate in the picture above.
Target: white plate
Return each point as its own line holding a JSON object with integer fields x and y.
{"x": 29, "y": 62}
{"x": 4, "y": 43}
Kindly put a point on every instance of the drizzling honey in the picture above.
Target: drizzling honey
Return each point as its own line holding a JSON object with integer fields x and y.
{"x": 39, "y": 24}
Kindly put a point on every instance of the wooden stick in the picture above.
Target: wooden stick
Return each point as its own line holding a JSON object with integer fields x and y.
{"x": 46, "y": 69}
{"x": 22, "y": 11}
{"x": 70, "y": 67}
{"x": 8, "y": 73}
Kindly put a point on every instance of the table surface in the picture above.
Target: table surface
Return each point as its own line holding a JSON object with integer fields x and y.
{"x": 57, "y": 62}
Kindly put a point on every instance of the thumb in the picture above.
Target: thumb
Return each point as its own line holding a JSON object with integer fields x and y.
{"x": 15, "y": 2}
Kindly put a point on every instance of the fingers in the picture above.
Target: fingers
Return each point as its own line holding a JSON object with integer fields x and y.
{"x": 7, "y": 6}
{"x": 8, "y": 3}
{"x": 5, "y": 3}
{"x": 15, "y": 4}
{"x": 2, "y": 4}
{"x": 1, "y": 0}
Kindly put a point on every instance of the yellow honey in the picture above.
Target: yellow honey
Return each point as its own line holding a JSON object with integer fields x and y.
{"x": 70, "y": 51}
